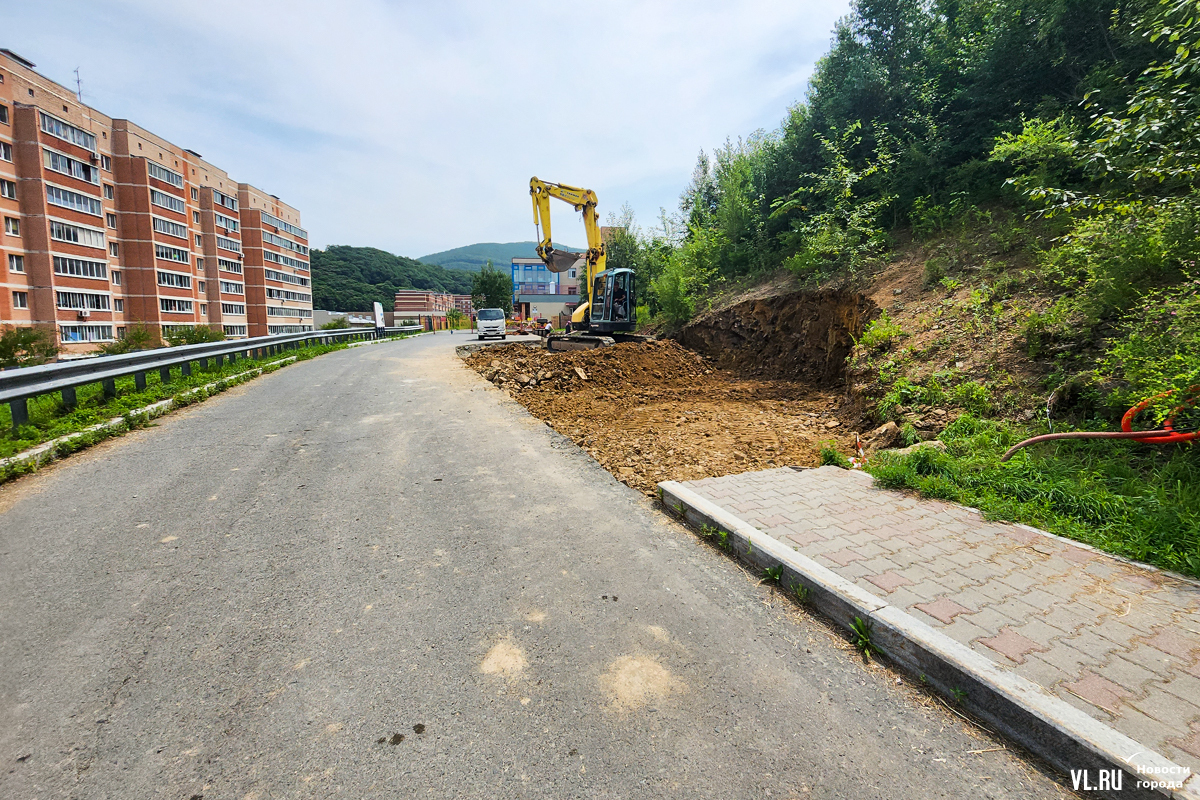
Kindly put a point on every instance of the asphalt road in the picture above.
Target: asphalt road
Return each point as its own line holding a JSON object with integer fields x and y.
{"x": 373, "y": 575}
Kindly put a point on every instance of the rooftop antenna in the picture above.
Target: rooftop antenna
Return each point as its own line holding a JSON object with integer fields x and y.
{"x": 78, "y": 85}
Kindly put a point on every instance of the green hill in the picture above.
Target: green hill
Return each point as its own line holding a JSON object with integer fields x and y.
{"x": 346, "y": 278}
{"x": 473, "y": 256}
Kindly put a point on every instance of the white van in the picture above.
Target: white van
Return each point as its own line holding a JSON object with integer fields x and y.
{"x": 490, "y": 322}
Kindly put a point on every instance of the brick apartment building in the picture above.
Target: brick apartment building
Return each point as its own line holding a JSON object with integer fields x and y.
{"x": 107, "y": 226}
{"x": 415, "y": 301}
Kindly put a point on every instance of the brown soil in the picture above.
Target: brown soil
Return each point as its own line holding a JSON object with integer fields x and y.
{"x": 657, "y": 411}
{"x": 798, "y": 336}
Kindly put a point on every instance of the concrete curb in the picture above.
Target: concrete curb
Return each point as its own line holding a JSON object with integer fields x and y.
{"x": 1013, "y": 706}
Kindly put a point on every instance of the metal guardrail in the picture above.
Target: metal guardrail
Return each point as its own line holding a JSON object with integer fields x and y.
{"x": 17, "y": 386}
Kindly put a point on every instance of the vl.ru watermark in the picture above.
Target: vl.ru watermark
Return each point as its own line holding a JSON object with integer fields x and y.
{"x": 1115, "y": 780}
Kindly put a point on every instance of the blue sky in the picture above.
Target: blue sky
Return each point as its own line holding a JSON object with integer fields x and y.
{"x": 415, "y": 127}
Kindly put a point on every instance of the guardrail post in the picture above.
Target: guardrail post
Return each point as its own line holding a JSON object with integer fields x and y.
{"x": 185, "y": 368}
{"x": 203, "y": 364}
{"x": 220, "y": 361}
{"x": 19, "y": 409}
{"x": 68, "y": 396}
{"x": 139, "y": 381}
{"x": 164, "y": 374}
{"x": 110, "y": 388}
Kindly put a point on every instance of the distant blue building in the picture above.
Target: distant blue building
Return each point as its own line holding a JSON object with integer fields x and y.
{"x": 530, "y": 277}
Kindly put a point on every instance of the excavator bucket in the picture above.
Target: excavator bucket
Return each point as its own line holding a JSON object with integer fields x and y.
{"x": 561, "y": 261}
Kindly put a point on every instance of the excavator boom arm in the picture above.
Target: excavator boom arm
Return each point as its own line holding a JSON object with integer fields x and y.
{"x": 582, "y": 200}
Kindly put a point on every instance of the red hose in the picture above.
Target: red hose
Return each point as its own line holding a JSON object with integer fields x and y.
{"x": 1166, "y": 435}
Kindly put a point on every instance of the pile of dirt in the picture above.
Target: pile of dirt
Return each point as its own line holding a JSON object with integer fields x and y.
{"x": 797, "y": 336}
{"x": 657, "y": 411}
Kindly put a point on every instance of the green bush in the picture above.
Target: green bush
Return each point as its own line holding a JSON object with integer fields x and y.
{"x": 194, "y": 334}
{"x": 26, "y": 347}
{"x": 830, "y": 457}
{"x": 880, "y": 332}
{"x": 1158, "y": 350}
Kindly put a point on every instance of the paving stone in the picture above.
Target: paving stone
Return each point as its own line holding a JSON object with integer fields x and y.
{"x": 1175, "y": 642}
{"x": 1084, "y": 706}
{"x": 842, "y": 557}
{"x": 1011, "y": 645}
{"x": 1133, "y": 677}
{"x": 1099, "y": 691}
{"x": 1042, "y": 673}
{"x": 963, "y": 630}
{"x": 1143, "y": 729}
{"x": 1167, "y": 709}
{"x": 1154, "y": 660}
{"x": 1189, "y": 744}
{"x": 944, "y": 609}
{"x": 1068, "y": 659}
{"x": 1067, "y": 619}
{"x": 993, "y": 590}
{"x": 1038, "y": 631}
{"x": 889, "y": 581}
{"x": 989, "y": 619}
{"x": 802, "y": 539}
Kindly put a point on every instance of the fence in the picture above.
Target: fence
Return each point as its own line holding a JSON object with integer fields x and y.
{"x": 17, "y": 386}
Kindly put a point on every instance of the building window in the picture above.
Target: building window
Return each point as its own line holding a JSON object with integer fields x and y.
{"x": 229, "y": 244}
{"x": 284, "y": 294}
{"x": 195, "y": 217}
{"x": 85, "y": 333}
{"x": 167, "y": 201}
{"x": 8, "y": 189}
{"x": 111, "y": 219}
{"x": 175, "y": 279}
{"x": 172, "y": 254}
{"x": 82, "y": 301}
{"x": 116, "y": 278}
{"x": 170, "y": 228}
{"x": 229, "y": 287}
{"x": 235, "y": 330}
{"x": 204, "y": 309}
{"x": 106, "y": 161}
{"x": 175, "y": 306}
{"x": 57, "y": 162}
{"x": 229, "y": 266}
{"x": 74, "y": 201}
{"x": 80, "y": 267}
{"x": 276, "y": 311}
{"x": 67, "y": 132}
{"x": 12, "y": 226}
{"x": 118, "y": 304}
{"x": 199, "y": 263}
{"x": 229, "y": 223}
{"x": 233, "y": 308}
{"x": 201, "y": 286}
{"x": 114, "y": 249}
{"x": 109, "y": 194}
{"x": 5, "y": 151}
{"x": 163, "y": 174}
{"x": 4, "y": 114}
{"x": 198, "y": 241}
{"x": 120, "y": 333}
{"x": 195, "y": 194}
{"x": 74, "y": 234}
{"x": 20, "y": 299}
{"x": 16, "y": 263}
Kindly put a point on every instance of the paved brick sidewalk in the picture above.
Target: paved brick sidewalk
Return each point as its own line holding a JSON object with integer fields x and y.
{"x": 1117, "y": 640}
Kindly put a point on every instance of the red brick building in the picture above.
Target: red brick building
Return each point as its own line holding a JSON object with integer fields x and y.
{"x": 107, "y": 225}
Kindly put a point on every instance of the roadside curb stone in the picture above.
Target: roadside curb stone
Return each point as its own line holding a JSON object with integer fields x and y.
{"x": 1086, "y": 659}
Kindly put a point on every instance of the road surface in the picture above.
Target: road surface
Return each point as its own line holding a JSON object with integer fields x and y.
{"x": 373, "y": 575}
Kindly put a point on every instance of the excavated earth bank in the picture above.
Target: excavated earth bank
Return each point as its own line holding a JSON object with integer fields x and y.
{"x": 658, "y": 411}
{"x": 800, "y": 336}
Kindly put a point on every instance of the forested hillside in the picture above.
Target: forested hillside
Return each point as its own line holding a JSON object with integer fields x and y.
{"x": 474, "y": 256}
{"x": 348, "y": 278}
{"x": 1027, "y": 171}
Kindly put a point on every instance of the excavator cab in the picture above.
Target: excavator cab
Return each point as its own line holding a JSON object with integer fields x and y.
{"x": 612, "y": 302}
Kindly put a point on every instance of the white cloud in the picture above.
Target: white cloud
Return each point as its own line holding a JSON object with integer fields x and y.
{"x": 415, "y": 127}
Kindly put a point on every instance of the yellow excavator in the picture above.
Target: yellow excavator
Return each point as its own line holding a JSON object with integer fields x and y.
{"x": 609, "y": 312}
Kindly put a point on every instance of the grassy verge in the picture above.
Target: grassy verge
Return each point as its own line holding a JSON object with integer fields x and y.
{"x": 49, "y": 419}
{"x": 1133, "y": 500}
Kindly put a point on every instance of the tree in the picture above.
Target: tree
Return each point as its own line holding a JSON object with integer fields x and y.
{"x": 492, "y": 288}
{"x": 26, "y": 347}
{"x": 138, "y": 337}
{"x": 336, "y": 324}
{"x": 194, "y": 334}
{"x": 455, "y": 318}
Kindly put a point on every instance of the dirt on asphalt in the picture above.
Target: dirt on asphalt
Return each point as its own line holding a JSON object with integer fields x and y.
{"x": 658, "y": 411}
